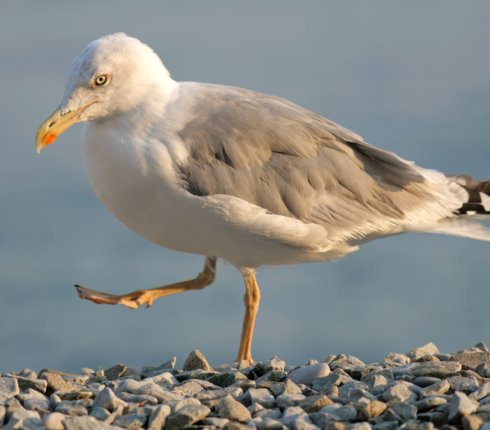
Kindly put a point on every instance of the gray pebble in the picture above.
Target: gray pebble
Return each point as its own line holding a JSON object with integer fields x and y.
{"x": 108, "y": 400}
{"x": 345, "y": 362}
{"x": 438, "y": 369}
{"x": 423, "y": 351}
{"x": 56, "y": 382}
{"x": 273, "y": 376}
{"x": 25, "y": 373}
{"x": 386, "y": 425}
{"x": 485, "y": 408}
{"x": 100, "y": 413}
{"x": 244, "y": 385}
{"x": 314, "y": 403}
{"x": 295, "y": 418}
{"x": 336, "y": 378}
{"x": 188, "y": 388}
{"x": 276, "y": 388}
{"x": 416, "y": 425}
{"x": 290, "y": 387}
{"x": 396, "y": 358}
{"x": 266, "y": 424}
{"x": 195, "y": 374}
{"x": 186, "y": 417}
{"x": 362, "y": 372}
{"x": 154, "y": 390}
{"x": 340, "y": 412}
{"x": 150, "y": 371}
{"x": 288, "y": 399}
{"x": 440, "y": 387}
{"x": 460, "y": 406}
{"x": 461, "y": 383}
{"x": 472, "y": 359}
{"x": 132, "y": 421}
{"x": 218, "y": 394}
{"x": 483, "y": 370}
{"x": 23, "y": 419}
{"x": 428, "y": 403}
{"x": 226, "y": 379}
{"x": 196, "y": 360}
{"x": 37, "y": 384}
{"x": 120, "y": 371}
{"x": 3, "y": 413}
{"x": 369, "y": 410}
{"x": 229, "y": 408}
{"x": 35, "y": 404}
{"x": 54, "y": 421}
{"x": 405, "y": 411}
{"x": 86, "y": 423}
{"x": 377, "y": 383}
{"x": 8, "y": 388}
{"x": 158, "y": 417}
{"x": 78, "y": 394}
{"x": 233, "y": 425}
{"x": 181, "y": 404}
{"x": 472, "y": 422}
{"x": 138, "y": 398}
{"x": 30, "y": 394}
{"x": 483, "y": 401}
{"x": 260, "y": 395}
{"x": 400, "y": 391}
{"x": 275, "y": 363}
{"x": 214, "y": 422}
{"x": 164, "y": 379}
{"x": 254, "y": 408}
{"x": 321, "y": 419}
{"x": 354, "y": 391}
{"x": 274, "y": 413}
{"x": 483, "y": 391}
{"x": 307, "y": 374}
{"x": 54, "y": 400}
{"x": 71, "y": 408}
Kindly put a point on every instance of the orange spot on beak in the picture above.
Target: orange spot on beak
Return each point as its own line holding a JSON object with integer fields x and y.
{"x": 50, "y": 138}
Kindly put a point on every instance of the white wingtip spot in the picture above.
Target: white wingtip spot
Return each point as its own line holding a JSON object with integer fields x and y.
{"x": 485, "y": 201}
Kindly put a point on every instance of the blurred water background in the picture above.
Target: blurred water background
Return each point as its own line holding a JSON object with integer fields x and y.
{"x": 412, "y": 77}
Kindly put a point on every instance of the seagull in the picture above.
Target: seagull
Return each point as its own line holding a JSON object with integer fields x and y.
{"x": 241, "y": 176}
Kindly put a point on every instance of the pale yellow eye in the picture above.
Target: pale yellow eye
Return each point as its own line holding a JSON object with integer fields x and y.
{"x": 101, "y": 80}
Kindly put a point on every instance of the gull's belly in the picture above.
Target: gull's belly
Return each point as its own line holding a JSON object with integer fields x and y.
{"x": 189, "y": 224}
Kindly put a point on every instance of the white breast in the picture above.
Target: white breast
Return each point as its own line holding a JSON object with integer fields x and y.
{"x": 133, "y": 179}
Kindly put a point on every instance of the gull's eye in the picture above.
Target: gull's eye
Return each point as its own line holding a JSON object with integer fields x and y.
{"x": 101, "y": 80}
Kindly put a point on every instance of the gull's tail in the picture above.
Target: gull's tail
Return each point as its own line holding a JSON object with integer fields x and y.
{"x": 474, "y": 198}
{"x": 478, "y": 196}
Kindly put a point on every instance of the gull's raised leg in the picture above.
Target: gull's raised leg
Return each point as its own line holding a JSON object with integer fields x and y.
{"x": 137, "y": 298}
{"x": 252, "y": 300}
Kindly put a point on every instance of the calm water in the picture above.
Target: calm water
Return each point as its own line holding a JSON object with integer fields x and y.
{"x": 411, "y": 77}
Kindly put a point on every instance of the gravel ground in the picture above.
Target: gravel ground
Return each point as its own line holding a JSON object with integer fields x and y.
{"x": 422, "y": 389}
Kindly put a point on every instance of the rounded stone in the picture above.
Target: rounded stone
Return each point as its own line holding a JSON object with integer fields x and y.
{"x": 54, "y": 421}
{"x": 307, "y": 374}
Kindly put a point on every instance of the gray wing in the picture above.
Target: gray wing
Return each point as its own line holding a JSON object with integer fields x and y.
{"x": 292, "y": 162}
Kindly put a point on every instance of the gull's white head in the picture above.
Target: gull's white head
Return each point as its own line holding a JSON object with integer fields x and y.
{"x": 112, "y": 75}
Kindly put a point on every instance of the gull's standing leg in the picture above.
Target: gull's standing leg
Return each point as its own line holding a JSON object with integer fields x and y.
{"x": 137, "y": 298}
{"x": 252, "y": 300}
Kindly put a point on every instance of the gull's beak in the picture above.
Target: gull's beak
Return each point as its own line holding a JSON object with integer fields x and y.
{"x": 56, "y": 124}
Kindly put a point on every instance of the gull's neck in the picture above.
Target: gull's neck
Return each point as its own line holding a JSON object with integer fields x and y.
{"x": 151, "y": 108}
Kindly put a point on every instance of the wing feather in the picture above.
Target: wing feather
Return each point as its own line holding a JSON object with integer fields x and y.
{"x": 293, "y": 162}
